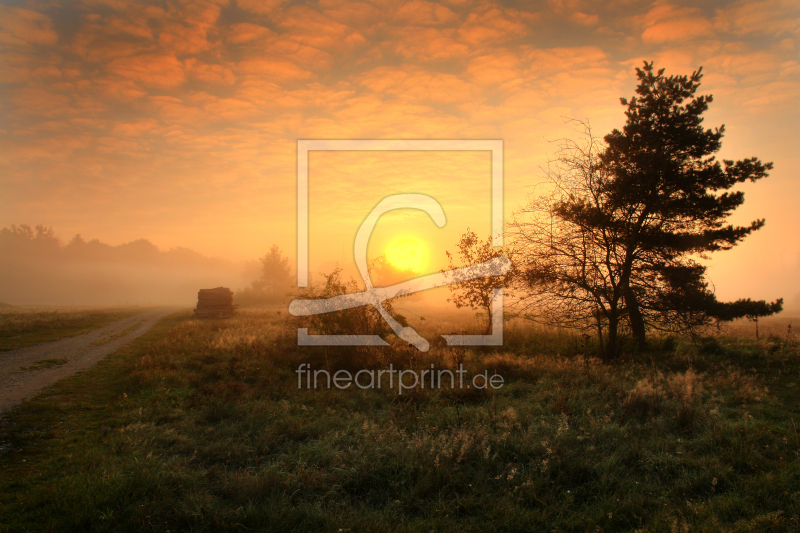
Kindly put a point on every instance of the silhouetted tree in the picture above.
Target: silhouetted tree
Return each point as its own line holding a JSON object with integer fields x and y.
{"x": 362, "y": 320}
{"x": 77, "y": 241}
{"x": 751, "y": 309}
{"x": 383, "y": 273}
{"x": 26, "y": 240}
{"x": 568, "y": 268}
{"x": 641, "y": 206}
{"x": 477, "y": 293}
{"x": 276, "y": 276}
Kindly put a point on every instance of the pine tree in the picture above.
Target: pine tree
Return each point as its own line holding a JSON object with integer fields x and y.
{"x": 276, "y": 277}
{"x": 671, "y": 196}
{"x": 619, "y": 236}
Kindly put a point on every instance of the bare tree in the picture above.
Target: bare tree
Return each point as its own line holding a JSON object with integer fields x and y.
{"x": 478, "y": 293}
{"x": 568, "y": 264}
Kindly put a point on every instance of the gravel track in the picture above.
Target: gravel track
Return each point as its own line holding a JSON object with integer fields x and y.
{"x": 80, "y": 353}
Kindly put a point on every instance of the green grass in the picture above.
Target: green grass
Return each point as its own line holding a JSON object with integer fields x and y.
{"x": 41, "y": 365}
{"x": 19, "y": 329}
{"x": 200, "y": 426}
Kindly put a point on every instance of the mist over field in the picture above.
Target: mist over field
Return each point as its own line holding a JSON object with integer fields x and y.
{"x": 37, "y": 269}
{"x": 40, "y": 268}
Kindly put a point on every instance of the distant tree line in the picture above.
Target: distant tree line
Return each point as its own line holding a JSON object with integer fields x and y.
{"x": 24, "y": 243}
{"x": 36, "y": 268}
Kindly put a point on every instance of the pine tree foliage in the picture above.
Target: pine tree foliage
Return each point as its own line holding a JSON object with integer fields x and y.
{"x": 620, "y": 235}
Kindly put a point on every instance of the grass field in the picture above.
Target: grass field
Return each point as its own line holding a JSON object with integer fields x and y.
{"x": 201, "y": 426}
{"x": 19, "y": 329}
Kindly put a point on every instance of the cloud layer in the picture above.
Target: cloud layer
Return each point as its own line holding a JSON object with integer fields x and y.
{"x": 178, "y": 121}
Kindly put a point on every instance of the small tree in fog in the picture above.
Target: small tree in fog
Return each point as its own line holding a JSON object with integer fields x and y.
{"x": 477, "y": 293}
{"x": 383, "y": 273}
{"x": 274, "y": 281}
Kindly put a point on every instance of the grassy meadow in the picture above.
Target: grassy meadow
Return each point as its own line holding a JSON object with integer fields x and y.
{"x": 201, "y": 426}
{"x": 26, "y": 327}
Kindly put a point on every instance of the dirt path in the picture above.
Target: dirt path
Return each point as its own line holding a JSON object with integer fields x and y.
{"x": 24, "y": 372}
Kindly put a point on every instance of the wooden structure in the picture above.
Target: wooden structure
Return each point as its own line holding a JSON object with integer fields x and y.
{"x": 214, "y": 303}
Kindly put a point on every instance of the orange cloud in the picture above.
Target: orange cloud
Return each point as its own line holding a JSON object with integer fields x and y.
{"x": 424, "y": 13}
{"x": 494, "y": 69}
{"x": 246, "y": 32}
{"x": 133, "y": 28}
{"x": 14, "y": 68}
{"x": 211, "y": 74}
{"x": 353, "y": 13}
{"x": 429, "y": 44}
{"x": 317, "y": 30}
{"x": 116, "y": 89}
{"x": 666, "y": 23}
{"x": 46, "y": 73}
{"x": 231, "y": 109}
{"x": 261, "y": 7}
{"x": 549, "y": 61}
{"x": 134, "y": 129}
{"x": 152, "y": 70}
{"x": 24, "y": 27}
{"x": 271, "y": 70}
{"x": 495, "y": 25}
{"x": 584, "y": 19}
{"x": 31, "y": 101}
{"x": 765, "y": 17}
{"x": 174, "y": 111}
{"x": 417, "y": 85}
{"x": 92, "y": 44}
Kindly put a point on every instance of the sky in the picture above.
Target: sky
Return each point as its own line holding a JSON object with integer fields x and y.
{"x": 178, "y": 121}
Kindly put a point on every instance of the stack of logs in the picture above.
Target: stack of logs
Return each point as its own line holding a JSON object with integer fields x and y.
{"x": 214, "y": 302}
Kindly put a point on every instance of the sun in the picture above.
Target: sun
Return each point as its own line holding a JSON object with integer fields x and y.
{"x": 407, "y": 253}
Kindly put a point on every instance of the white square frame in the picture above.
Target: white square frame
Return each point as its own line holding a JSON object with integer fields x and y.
{"x": 304, "y": 146}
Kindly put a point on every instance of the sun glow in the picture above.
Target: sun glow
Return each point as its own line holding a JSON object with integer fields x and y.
{"x": 407, "y": 253}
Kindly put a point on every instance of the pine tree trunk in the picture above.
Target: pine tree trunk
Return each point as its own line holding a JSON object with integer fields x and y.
{"x": 600, "y": 332}
{"x": 636, "y": 319}
{"x": 611, "y": 347}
